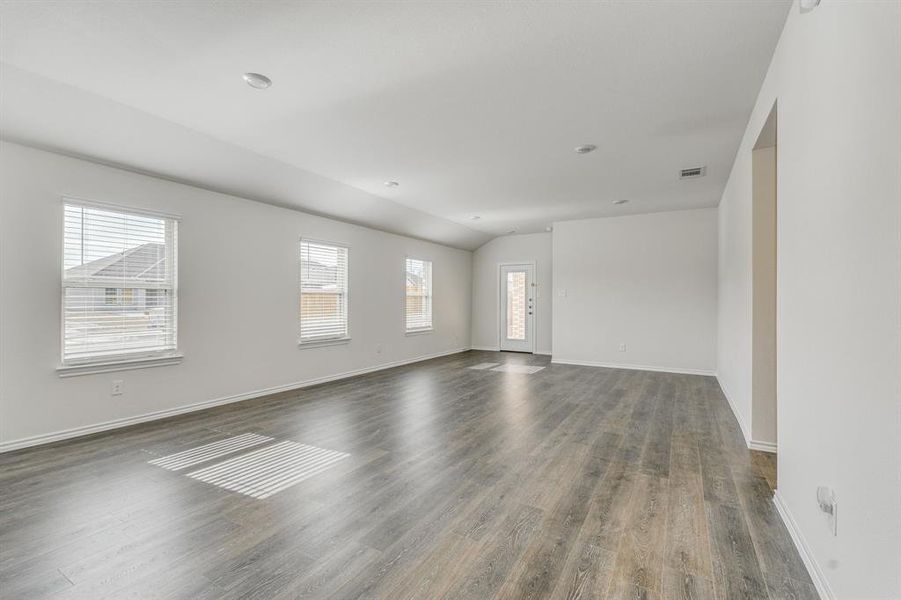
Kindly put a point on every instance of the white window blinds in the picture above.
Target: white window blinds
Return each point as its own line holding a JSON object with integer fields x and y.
{"x": 323, "y": 291}
{"x": 419, "y": 294}
{"x": 119, "y": 284}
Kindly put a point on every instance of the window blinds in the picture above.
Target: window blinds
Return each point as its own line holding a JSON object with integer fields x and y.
{"x": 323, "y": 291}
{"x": 419, "y": 294}
{"x": 119, "y": 284}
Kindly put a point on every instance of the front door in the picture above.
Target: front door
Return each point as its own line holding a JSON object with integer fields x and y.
{"x": 517, "y": 318}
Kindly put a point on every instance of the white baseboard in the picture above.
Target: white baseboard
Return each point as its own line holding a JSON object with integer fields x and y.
{"x": 585, "y": 363}
{"x": 745, "y": 430}
{"x": 813, "y": 568}
{"x": 66, "y": 434}
{"x": 497, "y": 349}
{"x": 762, "y": 446}
{"x": 738, "y": 416}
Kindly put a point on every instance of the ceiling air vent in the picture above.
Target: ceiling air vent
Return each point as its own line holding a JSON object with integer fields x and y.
{"x": 692, "y": 173}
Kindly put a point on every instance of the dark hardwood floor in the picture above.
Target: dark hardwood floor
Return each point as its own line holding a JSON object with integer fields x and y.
{"x": 572, "y": 482}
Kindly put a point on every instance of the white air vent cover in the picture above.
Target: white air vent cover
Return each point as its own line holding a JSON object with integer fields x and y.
{"x": 692, "y": 173}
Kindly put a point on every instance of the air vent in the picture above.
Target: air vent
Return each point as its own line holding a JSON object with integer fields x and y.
{"x": 692, "y": 173}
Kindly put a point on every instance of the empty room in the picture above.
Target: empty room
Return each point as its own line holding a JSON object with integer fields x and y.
{"x": 462, "y": 299}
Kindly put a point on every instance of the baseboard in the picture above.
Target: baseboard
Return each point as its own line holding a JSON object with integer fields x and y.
{"x": 75, "y": 432}
{"x": 585, "y": 363}
{"x": 762, "y": 446}
{"x": 813, "y": 568}
{"x": 497, "y": 349}
{"x": 738, "y": 417}
{"x": 745, "y": 430}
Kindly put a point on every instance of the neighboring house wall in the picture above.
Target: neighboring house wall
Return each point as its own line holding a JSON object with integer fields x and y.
{"x": 835, "y": 76}
{"x": 516, "y": 306}
{"x": 239, "y": 288}
{"x": 645, "y": 281}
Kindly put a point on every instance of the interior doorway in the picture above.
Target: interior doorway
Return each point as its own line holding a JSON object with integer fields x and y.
{"x": 764, "y": 252}
{"x": 517, "y": 307}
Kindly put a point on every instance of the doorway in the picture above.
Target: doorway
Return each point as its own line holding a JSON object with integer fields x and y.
{"x": 763, "y": 360}
{"x": 517, "y": 307}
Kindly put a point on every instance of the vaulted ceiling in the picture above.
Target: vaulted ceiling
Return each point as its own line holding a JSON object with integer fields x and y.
{"x": 473, "y": 107}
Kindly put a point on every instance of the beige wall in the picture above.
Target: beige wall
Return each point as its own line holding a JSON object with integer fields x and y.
{"x": 763, "y": 395}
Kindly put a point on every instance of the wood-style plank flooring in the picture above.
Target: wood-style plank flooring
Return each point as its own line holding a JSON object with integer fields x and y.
{"x": 573, "y": 482}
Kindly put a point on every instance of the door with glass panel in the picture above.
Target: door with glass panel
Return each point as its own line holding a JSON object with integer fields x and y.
{"x": 517, "y": 319}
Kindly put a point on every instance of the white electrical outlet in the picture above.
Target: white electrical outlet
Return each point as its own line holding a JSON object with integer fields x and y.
{"x": 118, "y": 384}
{"x": 622, "y": 347}
{"x": 378, "y": 348}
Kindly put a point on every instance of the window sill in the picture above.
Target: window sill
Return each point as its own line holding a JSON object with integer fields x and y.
{"x": 420, "y": 331}
{"x": 321, "y": 343}
{"x": 118, "y": 365}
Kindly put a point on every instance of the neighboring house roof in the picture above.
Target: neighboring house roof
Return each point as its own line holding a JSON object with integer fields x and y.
{"x": 319, "y": 276}
{"x": 413, "y": 278}
{"x": 147, "y": 262}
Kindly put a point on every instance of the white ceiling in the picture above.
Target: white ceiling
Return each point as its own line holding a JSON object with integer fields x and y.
{"x": 474, "y": 107}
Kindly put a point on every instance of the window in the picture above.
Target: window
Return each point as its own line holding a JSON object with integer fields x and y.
{"x": 119, "y": 284}
{"x": 323, "y": 291}
{"x": 419, "y": 295}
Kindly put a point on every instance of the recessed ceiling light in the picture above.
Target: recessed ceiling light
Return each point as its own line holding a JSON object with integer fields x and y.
{"x": 586, "y": 149}
{"x": 475, "y": 217}
{"x": 255, "y": 80}
{"x": 391, "y": 184}
{"x": 620, "y": 201}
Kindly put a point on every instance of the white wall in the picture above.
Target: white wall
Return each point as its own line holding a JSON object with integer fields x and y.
{"x": 835, "y": 74}
{"x": 535, "y": 247}
{"x": 238, "y": 297}
{"x": 647, "y": 281}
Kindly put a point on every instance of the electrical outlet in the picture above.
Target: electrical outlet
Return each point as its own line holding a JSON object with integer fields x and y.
{"x": 561, "y": 293}
{"x": 378, "y": 348}
{"x": 622, "y": 347}
{"x": 118, "y": 384}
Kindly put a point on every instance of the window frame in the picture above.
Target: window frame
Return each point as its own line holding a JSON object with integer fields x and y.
{"x": 125, "y": 360}
{"x": 431, "y": 297}
{"x": 322, "y": 341}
